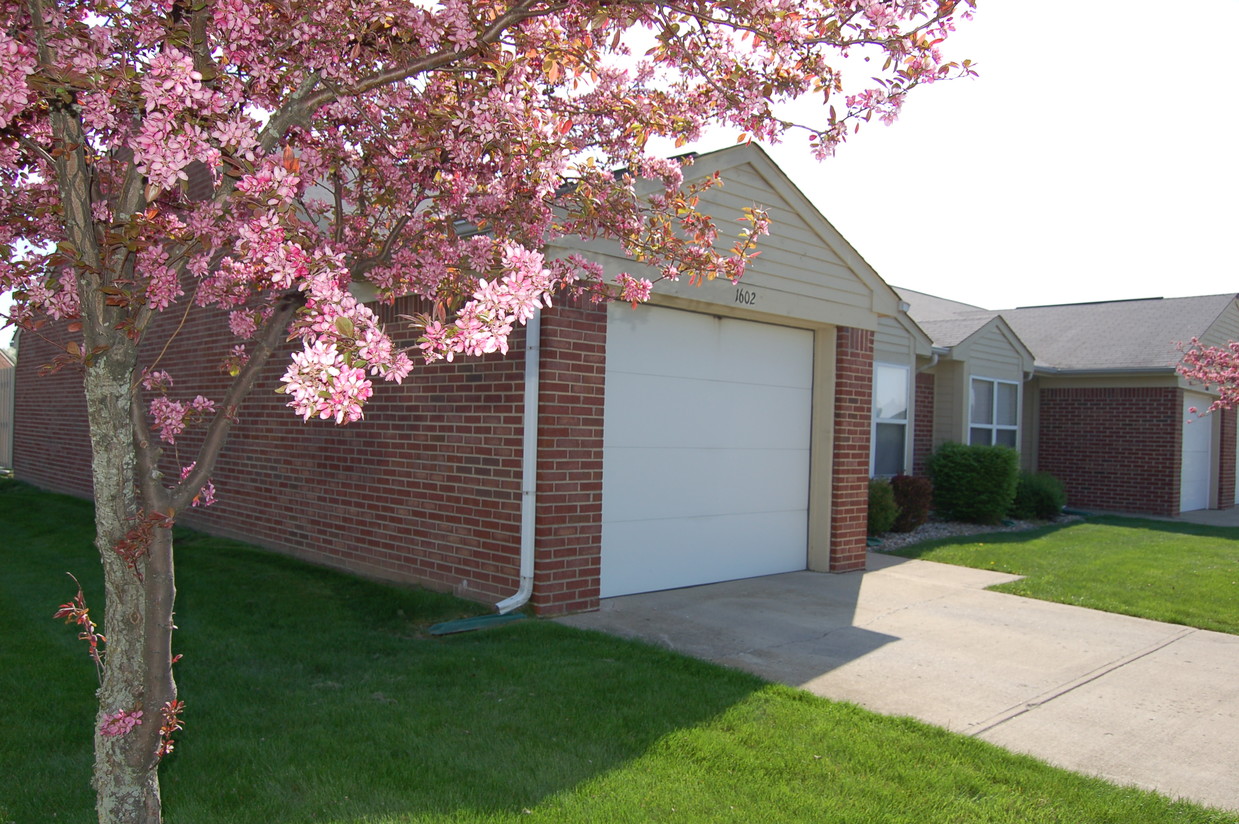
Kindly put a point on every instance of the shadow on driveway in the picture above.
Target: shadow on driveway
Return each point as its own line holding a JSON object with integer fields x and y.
{"x": 1135, "y": 701}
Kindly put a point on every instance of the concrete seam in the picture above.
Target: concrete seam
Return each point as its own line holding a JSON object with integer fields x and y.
{"x": 1048, "y": 696}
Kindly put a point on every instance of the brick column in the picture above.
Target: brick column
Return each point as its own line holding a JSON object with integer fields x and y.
{"x": 569, "y": 519}
{"x": 922, "y": 422}
{"x": 850, "y": 473}
{"x": 1226, "y": 462}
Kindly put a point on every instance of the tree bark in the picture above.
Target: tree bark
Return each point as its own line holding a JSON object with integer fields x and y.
{"x": 138, "y": 597}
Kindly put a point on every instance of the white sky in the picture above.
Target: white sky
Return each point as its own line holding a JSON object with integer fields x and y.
{"x": 1096, "y": 158}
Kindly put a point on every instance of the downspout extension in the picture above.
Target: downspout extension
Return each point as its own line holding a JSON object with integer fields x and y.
{"x": 529, "y": 466}
{"x": 933, "y": 360}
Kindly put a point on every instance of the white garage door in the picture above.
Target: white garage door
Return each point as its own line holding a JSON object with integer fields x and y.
{"x": 1197, "y": 445}
{"x": 706, "y": 449}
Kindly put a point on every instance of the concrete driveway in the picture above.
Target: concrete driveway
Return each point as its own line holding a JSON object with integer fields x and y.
{"x": 1135, "y": 701}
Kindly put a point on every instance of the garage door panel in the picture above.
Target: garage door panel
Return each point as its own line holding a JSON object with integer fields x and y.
{"x": 665, "y": 483}
{"x": 1196, "y": 466}
{"x": 703, "y": 347}
{"x": 663, "y": 411}
{"x": 708, "y": 549}
{"x": 706, "y": 449}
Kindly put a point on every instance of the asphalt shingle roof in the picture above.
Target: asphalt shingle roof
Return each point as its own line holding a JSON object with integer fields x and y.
{"x": 1112, "y": 335}
{"x": 1129, "y": 334}
{"x": 953, "y": 331}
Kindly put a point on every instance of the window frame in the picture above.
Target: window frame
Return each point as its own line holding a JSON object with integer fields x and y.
{"x": 905, "y": 422}
{"x": 994, "y": 427}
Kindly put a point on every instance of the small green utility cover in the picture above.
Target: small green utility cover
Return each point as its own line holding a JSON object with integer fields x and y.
{"x": 477, "y": 622}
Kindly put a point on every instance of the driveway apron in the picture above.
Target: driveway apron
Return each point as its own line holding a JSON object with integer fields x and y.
{"x": 1134, "y": 701}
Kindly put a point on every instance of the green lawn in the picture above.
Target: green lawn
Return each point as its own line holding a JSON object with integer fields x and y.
{"x": 1175, "y": 572}
{"x": 315, "y": 697}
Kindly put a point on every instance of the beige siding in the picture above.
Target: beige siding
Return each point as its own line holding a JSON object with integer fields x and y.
{"x": 1166, "y": 378}
{"x": 1225, "y": 329}
{"x": 992, "y": 355}
{"x": 950, "y": 403}
{"x": 799, "y": 276}
{"x": 1030, "y": 421}
{"x": 892, "y": 343}
{"x": 8, "y": 388}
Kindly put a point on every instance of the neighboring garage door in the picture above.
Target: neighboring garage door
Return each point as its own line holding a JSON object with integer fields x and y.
{"x": 706, "y": 449}
{"x": 1197, "y": 446}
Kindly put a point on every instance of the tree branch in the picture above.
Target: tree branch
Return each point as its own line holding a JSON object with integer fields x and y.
{"x": 217, "y": 432}
{"x": 360, "y": 267}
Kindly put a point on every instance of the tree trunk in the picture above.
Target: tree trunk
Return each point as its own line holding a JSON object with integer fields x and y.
{"x": 138, "y": 596}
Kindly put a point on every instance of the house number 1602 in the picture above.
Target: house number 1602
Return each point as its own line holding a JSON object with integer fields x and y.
{"x": 746, "y": 297}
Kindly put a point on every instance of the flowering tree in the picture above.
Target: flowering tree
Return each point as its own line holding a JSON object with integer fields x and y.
{"x": 179, "y": 156}
{"x": 1215, "y": 367}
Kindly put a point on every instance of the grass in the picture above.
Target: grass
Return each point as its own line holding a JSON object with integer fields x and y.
{"x": 316, "y": 697}
{"x": 1174, "y": 572}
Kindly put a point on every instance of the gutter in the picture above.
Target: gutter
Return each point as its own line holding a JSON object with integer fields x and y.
{"x": 529, "y": 466}
{"x": 936, "y": 352}
{"x": 1126, "y": 371}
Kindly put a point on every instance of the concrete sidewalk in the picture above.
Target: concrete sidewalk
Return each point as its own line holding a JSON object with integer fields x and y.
{"x": 1135, "y": 701}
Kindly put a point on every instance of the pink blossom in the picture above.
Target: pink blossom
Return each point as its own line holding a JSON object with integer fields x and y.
{"x": 205, "y": 496}
{"x": 156, "y": 380}
{"x": 169, "y": 418}
{"x": 120, "y": 723}
{"x": 17, "y": 61}
{"x": 632, "y": 289}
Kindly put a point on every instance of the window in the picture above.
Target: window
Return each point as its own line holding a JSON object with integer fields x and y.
{"x": 995, "y": 413}
{"x": 890, "y": 419}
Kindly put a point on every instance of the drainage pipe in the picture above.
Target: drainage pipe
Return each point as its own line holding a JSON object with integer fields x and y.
{"x": 529, "y": 466}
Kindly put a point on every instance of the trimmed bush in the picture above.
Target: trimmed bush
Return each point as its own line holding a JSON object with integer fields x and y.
{"x": 974, "y": 483}
{"x": 882, "y": 508}
{"x": 913, "y": 496}
{"x": 1037, "y": 495}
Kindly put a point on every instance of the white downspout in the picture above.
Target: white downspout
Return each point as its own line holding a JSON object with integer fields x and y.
{"x": 529, "y": 466}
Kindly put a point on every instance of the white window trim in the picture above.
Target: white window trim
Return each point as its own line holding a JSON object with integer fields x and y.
{"x": 996, "y": 427}
{"x": 875, "y": 420}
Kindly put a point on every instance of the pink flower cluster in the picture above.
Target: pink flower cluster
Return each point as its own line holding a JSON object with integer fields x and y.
{"x": 322, "y": 384}
{"x": 56, "y": 296}
{"x": 121, "y": 722}
{"x": 341, "y": 340}
{"x": 483, "y": 324}
{"x": 633, "y": 290}
{"x": 173, "y": 417}
{"x": 17, "y": 61}
{"x": 169, "y": 139}
{"x": 1214, "y": 367}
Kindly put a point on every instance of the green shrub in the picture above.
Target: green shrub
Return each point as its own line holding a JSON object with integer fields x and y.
{"x": 913, "y": 496}
{"x": 1038, "y": 495}
{"x": 974, "y": 483}
{"x": 882, "y": 508}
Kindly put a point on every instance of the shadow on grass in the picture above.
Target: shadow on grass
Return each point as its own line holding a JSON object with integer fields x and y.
{"x": 315, "y": 696}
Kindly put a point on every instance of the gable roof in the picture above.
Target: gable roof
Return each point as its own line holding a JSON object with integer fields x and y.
{"x": 926, "y": 307}
{"x": 806, "y": 270}
{"x": 949, "y": 332}
{"x": 1115, "y": 335}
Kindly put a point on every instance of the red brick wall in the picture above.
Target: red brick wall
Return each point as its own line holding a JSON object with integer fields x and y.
{"x": 569, "y": 521}
{"x": 425, "y": 489}
{"x": 1114, "y": 449}
{"x": 853, "y": 420}
{"x": 1226, "y": 464}
{"x": 922, "y": 422}
{"x": 51, "y": 444}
